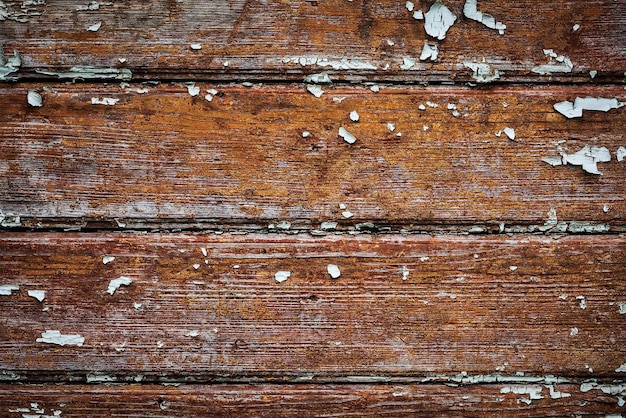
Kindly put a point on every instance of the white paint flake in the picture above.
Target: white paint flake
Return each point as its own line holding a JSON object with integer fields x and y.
{"x": 409, "y": 6}
{"x": 573, "y": 332}
{"x": 315, "y": 90}
{"x": 320, "y": 78}
{"x": 193, "y": 334}
{"x": 553, "y": 161}
{"x": 588, "y": 157}
{"x": 405, "y": 273}
{"x": 328, "y": 226}
{"x": 432, "y": 104}
{"x": 40, "y": 295}
{"x": 407, "y": 63}
{"x": 556, "y": 64}
{"x": 533, "y": 392}
{"x": 391, "y": 126}
{"x": 306, "y": 134}
{"x": 390, "y": 42}
{"x": 615, "y": 389}
{"x": 354, "y": 116}
{"x": 203, "y": 251}
{"x": 347, "y": 136}
{"x": 575, "y": 110}
{"x": 557, "y": 395}
{"x": 621, "y": 369}
{"x": 122, "y": 60}
{"x": 509, "y": 132}
{"x": 375, "y": 88}
{"x": 333, "y": 271}
{"x": 116, "y": 283}
{"x": 342, "y": 206}
{"x": 512, "y": 268}
{"x": 95, "y": 27}
{"x": 107, "y": 259}
{"x": 347, "y": 214}
{"x": 483, "y": 72}
{"x": 7, "y": 289}
{"x": 593, "y": 74}
{"x": 195, "y": 47}
{"x": 196, "y": 266}
{"x": 620, "y": 153}
{"x": 210, "y": 94}
{"x": 429, "y": 52}
{"x": 471, "y": 11}
{"x": 192, "y": 89}
{"x": 9, "y": 64}
{"x": 421, "y": 107}
{"x": 622, "y": 308}
{"x": 576, "y": 27}
{"x": 55, "y": 337}
{"x": 438, "y": 20}
{"x": 582, "y": 302}
{"x": 94, "y": 5}
{"x": 34, "y": 98}
{"x": 107, "y": 101}
{"x": 418, "y": 15}
{"x": 281, "y": 276}
{"x": 343, "y": 64}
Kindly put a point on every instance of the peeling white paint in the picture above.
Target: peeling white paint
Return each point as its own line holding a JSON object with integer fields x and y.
{"x": 306, "y": 134}
{"x": 203, "y": 251}
{"x": 483, "y": 72}
{"x": 588, "y": 157}
{"x": 557, "y": 64}
{"x": 333, "y": 271}
{"x": 409, "y": 6}
{"x": 573, "y": 332}
{"x": 557, "y": 395}
{"x": 315, "y": 90}
{"x": 9, "y": 65}
{"x": 347, "y": 214}
{"x": 510, "y": 132}
{"x": 34, "y": 98}
{"x": 391, "y": 126}
{"x": 55, "y": 337}
{"x": 575, "y": 110}
{"x": 621, "y": 369}
{"x": 533, "y": 392}
{"x": 100, "y": 378}
{"x": 195, "y": 47}
{"x": 576, "y": 27}
{"x": 343, "y": 64}
{"x": 418, "y": 15}
{"x": 582, "y": 302}
{"x": 429, "y": 52}
{"x": 107, "y": 101}
{"x": 438, "y": 20}
{"x": 620, "y": 153}
{"x": 347, "y": 136}
{"x": 281, "y": 276}
{"x": 86, "y": 72}
{"x": 94, "y": 5}
{"x": 471, "y": 11}
{"x": 354, "y": 116}
{"x": 95, "y": 27}
{"x": 40, "y": 295}
{"x": 7, "y": 289}
{"x": 328, "y": 226}
{"x": 192, "y": 89}
{"x": 512, "y": 268}
{"x": 407, "y": 63}
{"x": 622, "y": 308}
{"x": 616, "y": 389}
{"x": 375, "y": 88}
{"x": 107, "y": 259}
{"x": 116, "y": 283}
{"x": 593, "y": 74}
{"x": 196, "y": 266}
{"x": 553, "y": 161}
{"x": 405, "y": 272}
{"x": 193, "y": 334}
{"x": 320, "y": 78}
{"x": 580, "y": 227}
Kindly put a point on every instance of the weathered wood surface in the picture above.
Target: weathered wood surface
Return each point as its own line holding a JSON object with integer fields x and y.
{"x": 166, "y": 158}
{"x": 404, "y": 308}
{"x": 255, "y": 38}
{"x": 304, "y": 400}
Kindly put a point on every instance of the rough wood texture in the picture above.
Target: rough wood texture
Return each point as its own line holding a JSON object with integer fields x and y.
{"x": 255, "y": 37}
{"x": 167, "y": 158}
{"x": 479, "y": 305}
{"x": 303, "y": 400}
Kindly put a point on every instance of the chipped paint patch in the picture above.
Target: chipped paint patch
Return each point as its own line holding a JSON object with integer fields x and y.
{"x": 407, "y": 63}
{"x": 588, "y": 157}
{"x": 315, "y": 90}
{"x": 92, "y": 73}
{"x": 343, "y": 64}
{"x": 429, "y": 52}
{"x": 582, "y": 302}
{"x": 553, "y": 161}
{"x": 616, "y": 389}
{"x": 9, "y": 65}
{"x": 107, "y": 101}
{"x": 573, "y": 332}
{"x": 347, "y": 136}
{"x": 192, "y": 334}
{"x": 533, "y": 392}
{"x": 622, "y": 308}
{"x": 582, "y": 227}
{"x": 557, "y": 64}
{"x": 438, "y": 20}
{"x": 470, "y": 10}
{"x": 34, "y": 99}
{"x": 557, "y": 395}
{"x": 621, "y": 369}
{"x": 40, "y": 295}
{"x": 375, "y": 88}
{"x": 333, "y": 271}
{"x": 55, "y": 337}
{"x": 116, "y": 283}
{"x": 282, "y": 275}
{"x": 306, "y": 134}
{"x": 391, "y": 126}
{"x": 405, "y": 273}
{"x": 483, "y": 72}
{"x": 319, "y": 78}
{"x": 100, "y": 378}
{"x": 620, "y": 154}
{"x": 509, "y": 132}
{"x": 7, "y": 289}
{"x": 354, "y": 116}
{"x": 193, "y": 90}
{"x": 575, "y": 110}
{"x": 95, "y": 27}
{"x": 107, "y": 259}
{"x": 195, "y": 47}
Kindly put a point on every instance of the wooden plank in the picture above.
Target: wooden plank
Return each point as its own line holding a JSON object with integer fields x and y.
{"x": 166, "y": 158}
{"x": 253, "y": 39}
{"x": 404, "y": 308}
{"x": 301, "y": 400}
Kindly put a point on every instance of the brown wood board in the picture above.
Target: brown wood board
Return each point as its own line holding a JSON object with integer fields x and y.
{"x": 304, "y": 400}
{"x": 254, "y": 39}
{"x": 404, "y": 307}
{"x": 167, "y": 158}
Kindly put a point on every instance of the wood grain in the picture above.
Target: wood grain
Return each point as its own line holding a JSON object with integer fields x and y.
{"x": 481, "y": 305}
{"x": 300, "y": 400}
{"x": 254, "y": 38}
{"x": 166, "y": 159}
